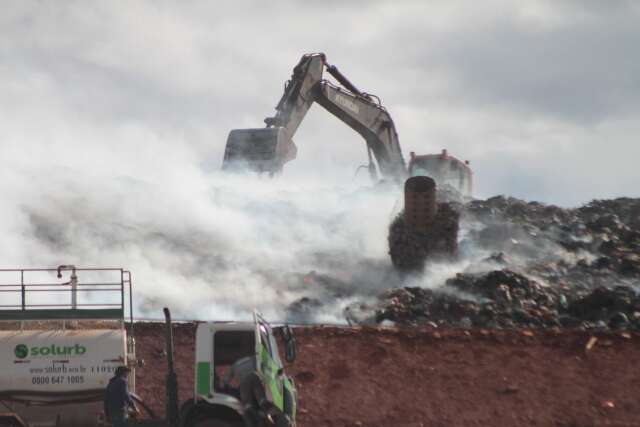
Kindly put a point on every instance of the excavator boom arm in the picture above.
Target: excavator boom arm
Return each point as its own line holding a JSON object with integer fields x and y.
{"x": 370, "y": 120}
{"x": 298, "y": 93}
{"x": 349, "y": 104}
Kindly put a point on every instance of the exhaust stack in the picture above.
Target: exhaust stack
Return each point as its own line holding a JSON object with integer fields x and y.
{"x": 172, "y": 379}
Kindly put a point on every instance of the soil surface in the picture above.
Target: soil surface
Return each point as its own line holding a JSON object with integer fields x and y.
{"x": 434, "y": 377}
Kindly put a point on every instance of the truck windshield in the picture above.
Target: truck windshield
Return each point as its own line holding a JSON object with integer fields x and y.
{"x": 229, "y": 347}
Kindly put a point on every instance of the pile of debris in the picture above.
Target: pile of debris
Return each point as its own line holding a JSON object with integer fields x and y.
{"x": 533, "y": 265}
{"x": 505, "y": 299}
{"x": 595, "y": 245}
{"x": 523, "y": 264}
{"x": 410, "y": 249}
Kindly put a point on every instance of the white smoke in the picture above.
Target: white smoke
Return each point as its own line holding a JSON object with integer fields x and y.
{"x": 207, "y": 244}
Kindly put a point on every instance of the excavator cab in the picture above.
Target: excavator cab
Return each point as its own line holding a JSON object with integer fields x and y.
{"x": 452, "y": 176}
{"x": 262, "y": 150}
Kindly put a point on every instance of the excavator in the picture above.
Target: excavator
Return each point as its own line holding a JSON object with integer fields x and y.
{"x": 266, "y": 150}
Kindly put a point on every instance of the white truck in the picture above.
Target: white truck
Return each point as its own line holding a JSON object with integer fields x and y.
{"x": 219, "y": 345}
{"x": 61, "y": 339}
{"x": 216, "y": 400}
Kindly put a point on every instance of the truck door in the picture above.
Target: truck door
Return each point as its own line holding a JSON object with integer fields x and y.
{"x": 268, "y": 361}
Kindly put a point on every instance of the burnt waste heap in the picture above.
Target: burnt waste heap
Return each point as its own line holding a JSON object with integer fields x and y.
{"x": 534, "y": 265}
{"x": 517, "y": 264}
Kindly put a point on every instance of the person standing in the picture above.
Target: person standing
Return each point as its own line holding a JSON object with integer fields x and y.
{"x": 117, "y": 400}
{"x": 252, "y": 394}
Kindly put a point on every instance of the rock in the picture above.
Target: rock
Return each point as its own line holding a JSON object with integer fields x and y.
{"x": 466, "y": 323}
{"x": 497, "y": 258}
{"x": 630, "y": 266}
{"x": 603, "y": 301}
{"x": 618, "y": 320}
{"x": 502, "y": 295}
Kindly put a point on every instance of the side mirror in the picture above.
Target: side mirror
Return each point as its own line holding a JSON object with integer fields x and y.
{"x": 291, "y": 350}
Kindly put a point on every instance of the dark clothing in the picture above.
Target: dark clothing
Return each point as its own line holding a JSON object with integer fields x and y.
{"x": 117, "y": 401}
{"x": 119, "y": 419}
{"x": 252, "y": 396}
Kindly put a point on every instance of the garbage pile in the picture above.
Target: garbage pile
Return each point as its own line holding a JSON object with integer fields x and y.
{"x": 533, "y": 265}
{"x": 409, "y": 249}
{"x": 595, "y": 245}
{"x": 505, "y": 299}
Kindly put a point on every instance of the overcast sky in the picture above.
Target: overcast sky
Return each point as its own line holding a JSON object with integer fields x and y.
{"x": 542, "y": 97}
{"x": 115, "y": 115}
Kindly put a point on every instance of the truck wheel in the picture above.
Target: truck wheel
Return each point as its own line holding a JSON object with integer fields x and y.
{"x": 283, "y": 420}
{"x": 210, "y": 416}
{"x": 211, "y": 423}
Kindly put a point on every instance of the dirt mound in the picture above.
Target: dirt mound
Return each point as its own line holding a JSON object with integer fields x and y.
{"x": 427, "y": 377}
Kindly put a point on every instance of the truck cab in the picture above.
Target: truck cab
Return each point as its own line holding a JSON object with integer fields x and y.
{"x": 221, "y": 348}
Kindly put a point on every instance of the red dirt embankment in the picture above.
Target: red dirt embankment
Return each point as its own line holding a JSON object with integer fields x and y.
{"x": 411, "y": 377}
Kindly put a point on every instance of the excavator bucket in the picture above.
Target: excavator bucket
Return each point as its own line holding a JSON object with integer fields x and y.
{"x": 260, "y": 150}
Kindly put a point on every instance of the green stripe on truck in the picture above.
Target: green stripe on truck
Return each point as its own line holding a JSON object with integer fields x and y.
{"x": 203, "y": 378}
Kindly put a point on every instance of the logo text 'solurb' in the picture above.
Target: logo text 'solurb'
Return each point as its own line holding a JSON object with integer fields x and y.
{"x": 21, "y": 351}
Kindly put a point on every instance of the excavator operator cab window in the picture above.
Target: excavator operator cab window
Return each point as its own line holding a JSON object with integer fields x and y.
{"x": 418, "y": 171}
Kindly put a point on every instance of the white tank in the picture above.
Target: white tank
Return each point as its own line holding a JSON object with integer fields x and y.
{"x": 61, "y": 367}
